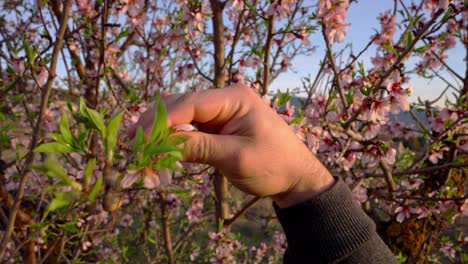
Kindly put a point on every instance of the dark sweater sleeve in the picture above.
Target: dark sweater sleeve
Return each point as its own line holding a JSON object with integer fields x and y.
{"x": 331, "y": 228}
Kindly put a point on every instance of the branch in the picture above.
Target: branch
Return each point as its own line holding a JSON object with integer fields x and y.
{"x": 423, "y": 170}
{"x": 228, "y": 222}
{"x": 351, "y": 133}
{"x": 336, "y": 78}
{"x": 388, "y": 175}
{"x": 266, "y": 58}
{"x": 166, "y": 228}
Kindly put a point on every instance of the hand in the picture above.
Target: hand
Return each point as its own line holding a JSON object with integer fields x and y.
{"x": 251, "y": 145}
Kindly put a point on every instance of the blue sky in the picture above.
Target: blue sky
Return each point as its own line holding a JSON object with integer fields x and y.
{"x": 362, "y": 17}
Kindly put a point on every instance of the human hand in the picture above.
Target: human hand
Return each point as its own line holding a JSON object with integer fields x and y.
{"x": 244, "y": 138}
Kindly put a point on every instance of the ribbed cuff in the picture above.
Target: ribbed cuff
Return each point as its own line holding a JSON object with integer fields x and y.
{"x": 326, "y": 228}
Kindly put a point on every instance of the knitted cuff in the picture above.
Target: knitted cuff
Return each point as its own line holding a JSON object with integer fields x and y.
{"x": 326, "y": 228}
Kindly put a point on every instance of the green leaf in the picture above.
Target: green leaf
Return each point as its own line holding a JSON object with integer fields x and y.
{"x": 83, "y": 108}
{"x": 96, "y": 188}
{"x": 112, "y": 131}
{"x": 30, "y": 54}
{"x": 70, "y": 227}
{"x": 156, "y": 148}
{"x": 160, "y": 121}
{"x": 54, "y": 147}
{"x": 169, "y": 161}
{"x": 53, "y": 169}
{"x": 61, "y": 200}
{"x": 65, "y": 129}
{"x": 58, "y": 137}
{"x": 390, "y": 48}
{"x": 121, "y": 35}
{"x": 177, "y": 139}
{"x": 88, "y": 171}
{"x": 97, "y": 119}
{"x": 283, "y": 98}
{"x": 139, "y": 139}
{"x": 421, "y": 49}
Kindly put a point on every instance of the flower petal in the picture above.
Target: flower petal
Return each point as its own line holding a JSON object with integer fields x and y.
{"x": 131, "y": 177}
{"x": 150, "y": 181}
{"x": 165, "y": 176}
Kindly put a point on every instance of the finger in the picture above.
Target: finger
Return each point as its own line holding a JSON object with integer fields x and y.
{"x": 209, "y": 148}
{"x": 215, "y": 107}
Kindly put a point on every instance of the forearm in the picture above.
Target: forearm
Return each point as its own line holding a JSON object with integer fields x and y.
{"x": 331, "y": 228}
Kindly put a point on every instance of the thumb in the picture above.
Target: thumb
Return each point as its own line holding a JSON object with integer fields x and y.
{"x": 209, "y": 148}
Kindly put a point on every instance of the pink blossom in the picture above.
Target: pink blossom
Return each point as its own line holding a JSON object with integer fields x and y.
{"x": 313, "y": 139}
{"x": 464, "y": 208}
{"x": 374, "y": 109}
{"x": 398, "y": 97}
{"x": 404, "y": 212}
{"x": 347, "y": 160}
{"x": 126, "y": 220}
{"x": 411, "y": 184}
{"x": 463, "y": 146}
{"x": 371, "y": 130}
{"x": 360, "y": 194}
{"x": 195, "y": 212}
{"x": 193, "y": 254}
{"x": 279, "y": 241}
{"x": 333, "y": 14}
{"x": 51, "y": 118}
{"x": 18, "y": 65}
{"x": 258, "y": 252}
{"x": 86, "y": 245}
{"x": 150, "y": 178}
{"x": 431, "y": 5}
{"x": 85, "y": 7}
{"x": 448, "y": 250}
{"x": 388, "y": 24}
{"x": 280, "y": 9}
{"x": 173, "y": 203}
{"x": 436, "y": 123}
{"x": 436, "y": 154}
{"x": 374, "y": 153}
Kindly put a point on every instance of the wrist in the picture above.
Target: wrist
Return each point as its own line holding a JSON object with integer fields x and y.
{"x": 309, "y": 185}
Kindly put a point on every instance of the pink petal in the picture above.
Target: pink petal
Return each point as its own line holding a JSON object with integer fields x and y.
{"x": 400, "y": 217}
{"x": 151, "y": 181}
{"x": 165, "y": 176}
{"x": 131, "y": 177}
{"x": 185, "y": 127}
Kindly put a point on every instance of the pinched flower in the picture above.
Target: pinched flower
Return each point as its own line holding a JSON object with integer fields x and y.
{"x": 150, "y": 178}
